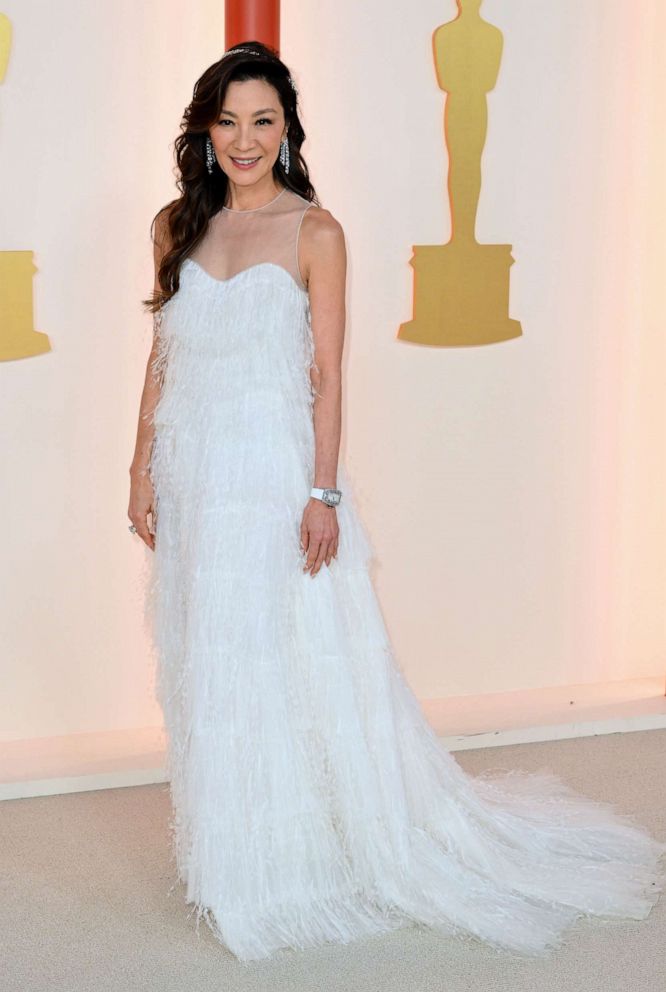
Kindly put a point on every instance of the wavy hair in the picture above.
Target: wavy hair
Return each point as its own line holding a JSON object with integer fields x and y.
{"x": 185, "y": 219}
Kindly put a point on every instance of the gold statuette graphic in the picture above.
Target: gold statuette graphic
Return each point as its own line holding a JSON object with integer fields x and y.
{"x": 5, "y": 43}
{"x": 18, "y": 338}
{"x": 461, "y": 289}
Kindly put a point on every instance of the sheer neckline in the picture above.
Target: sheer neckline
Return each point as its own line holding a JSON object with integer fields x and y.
{"x": 234, "y": 210}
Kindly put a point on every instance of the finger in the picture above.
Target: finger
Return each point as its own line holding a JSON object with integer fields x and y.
{"x": 145, "y": 535}
{"x": 153, "y": 528}
{"x": 313, "y": 551}
{"x": 323, "y": 547}
{"x": 143, "y": 531}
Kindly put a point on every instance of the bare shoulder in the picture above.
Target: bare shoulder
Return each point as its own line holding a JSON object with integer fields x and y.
{"x": 321, "y": 227}
{"x": 322, "y": 241}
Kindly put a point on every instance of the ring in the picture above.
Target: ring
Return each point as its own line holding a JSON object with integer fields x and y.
{"x": 132, "y": 528}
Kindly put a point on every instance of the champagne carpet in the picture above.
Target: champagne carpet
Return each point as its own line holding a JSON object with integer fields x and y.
{"x": 86, "y": 902}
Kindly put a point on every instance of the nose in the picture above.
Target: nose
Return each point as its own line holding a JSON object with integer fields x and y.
{"x": 244, "y": 140}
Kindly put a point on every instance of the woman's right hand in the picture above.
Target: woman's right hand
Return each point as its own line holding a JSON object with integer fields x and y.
{"x": 141, "y": 503}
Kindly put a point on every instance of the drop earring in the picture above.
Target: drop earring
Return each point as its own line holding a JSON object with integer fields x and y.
{"x": 284, "y": 154}
{"x": 210, "y": 155}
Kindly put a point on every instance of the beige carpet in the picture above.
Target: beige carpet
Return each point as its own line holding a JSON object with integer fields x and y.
{"x": 85, "y": 901}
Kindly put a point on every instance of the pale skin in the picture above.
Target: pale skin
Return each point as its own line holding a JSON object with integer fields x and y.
{"x": 252, "y": 124}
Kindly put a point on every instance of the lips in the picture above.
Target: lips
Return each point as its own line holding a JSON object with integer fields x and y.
{"x": 240, "y": 164}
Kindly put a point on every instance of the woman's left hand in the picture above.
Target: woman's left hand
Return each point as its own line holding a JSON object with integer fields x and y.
{"x": 319, "y": 534}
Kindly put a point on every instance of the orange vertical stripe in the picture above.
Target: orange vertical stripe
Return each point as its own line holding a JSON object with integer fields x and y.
{"x": 252, "y": 20}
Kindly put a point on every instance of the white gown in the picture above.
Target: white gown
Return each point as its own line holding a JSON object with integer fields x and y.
{"x": 312, "y": 801}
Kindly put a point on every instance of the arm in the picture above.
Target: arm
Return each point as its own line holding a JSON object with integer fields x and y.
{"x": 141, "y": 490}
{"x": 325, "y": 269}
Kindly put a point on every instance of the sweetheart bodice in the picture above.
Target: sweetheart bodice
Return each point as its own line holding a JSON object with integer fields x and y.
{"x": 244, "y": 341}
{"x": 232, "y": 280}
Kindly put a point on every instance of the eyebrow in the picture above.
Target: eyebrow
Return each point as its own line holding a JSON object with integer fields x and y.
{"x": 266, "y": 110}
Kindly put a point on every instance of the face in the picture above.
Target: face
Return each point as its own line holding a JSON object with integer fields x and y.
{"x": 251, "y": 125}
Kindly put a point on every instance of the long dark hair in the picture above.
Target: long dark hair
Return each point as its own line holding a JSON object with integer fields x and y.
{"x": 186, "y": 218}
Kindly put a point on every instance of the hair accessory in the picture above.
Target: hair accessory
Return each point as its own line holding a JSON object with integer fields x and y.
{"x": 251, "y": 51}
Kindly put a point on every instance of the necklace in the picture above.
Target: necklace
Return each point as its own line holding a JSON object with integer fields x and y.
{"x": 233, "y": 210}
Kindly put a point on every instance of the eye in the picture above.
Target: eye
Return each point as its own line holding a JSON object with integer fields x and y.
{"x": 267, "y": 120}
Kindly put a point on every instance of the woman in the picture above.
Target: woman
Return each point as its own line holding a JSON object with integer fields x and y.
{"x": 312, "y": 802}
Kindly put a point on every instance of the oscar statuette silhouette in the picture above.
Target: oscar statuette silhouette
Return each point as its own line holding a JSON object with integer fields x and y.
{"x": 461, "y": 289}
{"x": 18, "y": 338}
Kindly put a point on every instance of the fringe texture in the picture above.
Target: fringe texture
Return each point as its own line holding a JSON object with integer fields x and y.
{"x": 312, "y": 802}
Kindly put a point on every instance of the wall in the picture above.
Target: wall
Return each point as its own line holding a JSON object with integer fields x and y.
{"x": 515, "y": 494}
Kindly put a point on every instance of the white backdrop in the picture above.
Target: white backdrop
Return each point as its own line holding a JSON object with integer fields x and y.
{"x": 515, "y": 494}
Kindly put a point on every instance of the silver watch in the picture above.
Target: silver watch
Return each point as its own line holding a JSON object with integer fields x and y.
{"x": 329, "y": 496}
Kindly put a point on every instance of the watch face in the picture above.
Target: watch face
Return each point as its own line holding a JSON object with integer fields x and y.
{"x": 331, "y": 496}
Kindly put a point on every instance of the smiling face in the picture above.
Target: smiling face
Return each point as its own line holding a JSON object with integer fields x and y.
{"x": 251, "y": 126}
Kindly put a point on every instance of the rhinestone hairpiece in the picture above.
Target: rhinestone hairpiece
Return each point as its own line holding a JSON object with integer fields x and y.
{"x": 251, "y": 51}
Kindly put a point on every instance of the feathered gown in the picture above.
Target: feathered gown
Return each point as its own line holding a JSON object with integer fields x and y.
{"x": 312, "y": 801}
